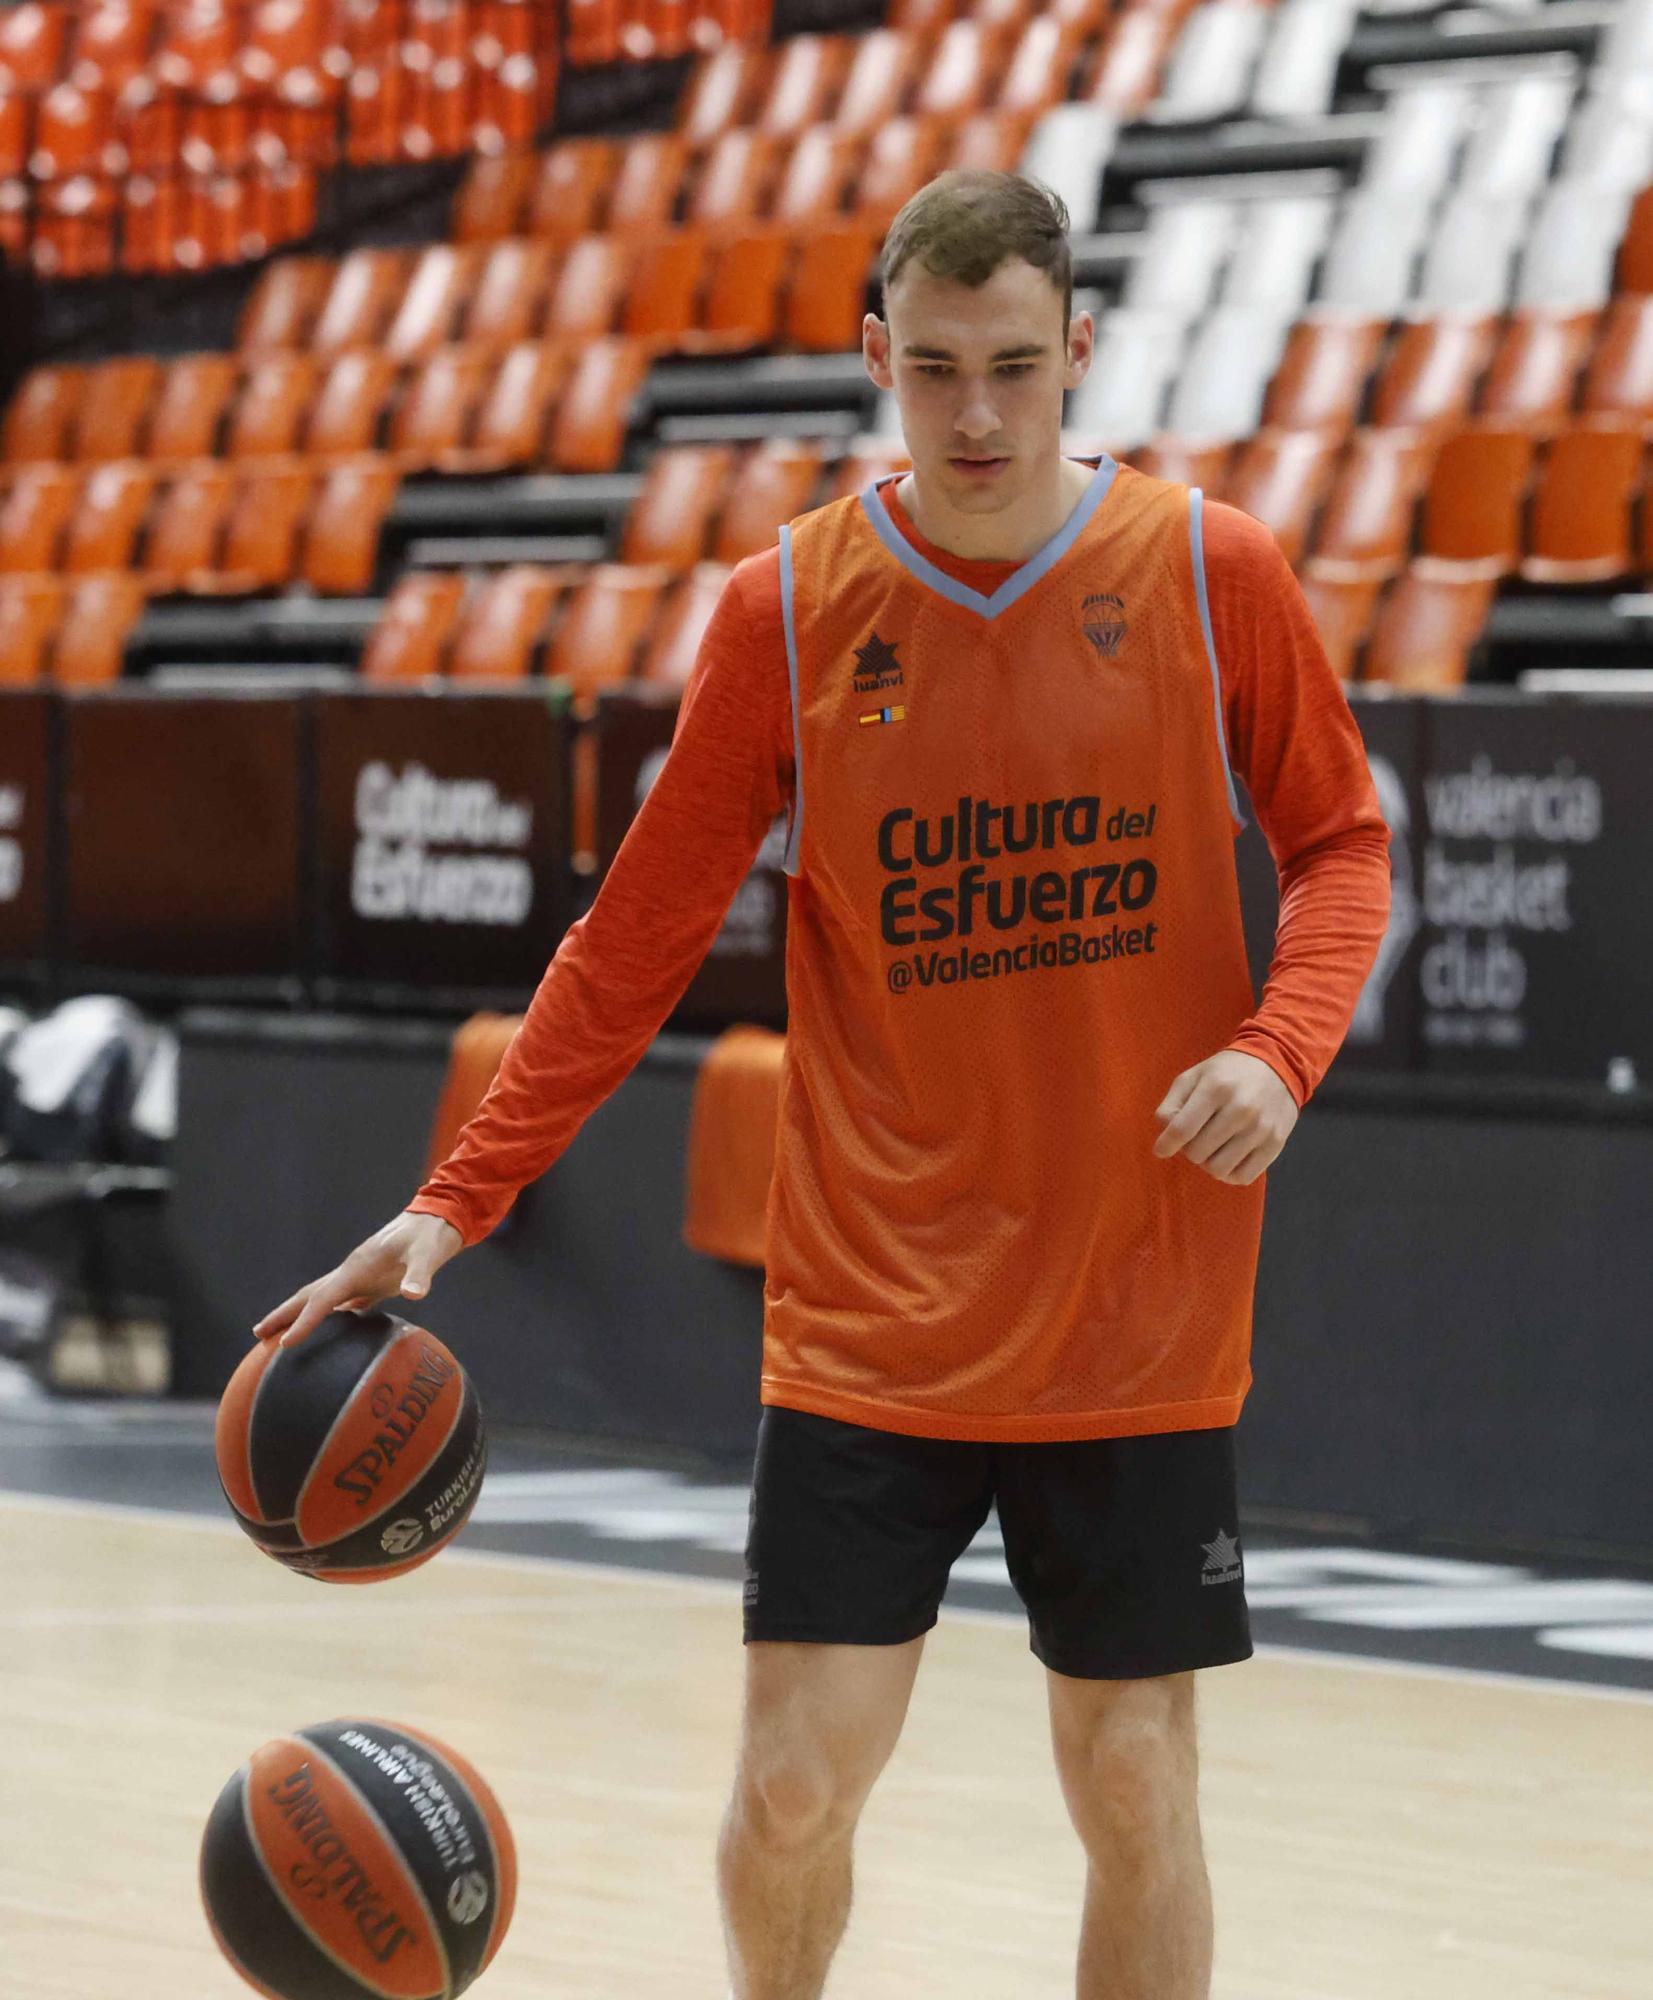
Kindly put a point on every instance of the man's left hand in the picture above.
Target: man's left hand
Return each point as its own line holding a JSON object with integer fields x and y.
{"x": 1230, "y": 1115}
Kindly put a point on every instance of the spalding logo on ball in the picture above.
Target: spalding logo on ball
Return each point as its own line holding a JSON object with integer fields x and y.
{"x": 358, "y": 1861}
{"x": 355, "y": 1455}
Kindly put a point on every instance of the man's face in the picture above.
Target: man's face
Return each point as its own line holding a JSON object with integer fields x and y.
{"x": 978, "y": 373}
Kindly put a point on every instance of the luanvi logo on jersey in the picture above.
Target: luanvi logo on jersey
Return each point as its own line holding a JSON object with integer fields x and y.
{"x": 877, "y": 666}
{"x": 1222, "y": 1559}
{"x": 1103, "y": 617}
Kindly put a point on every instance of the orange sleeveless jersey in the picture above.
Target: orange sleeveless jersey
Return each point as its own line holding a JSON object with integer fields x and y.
{"x": 1013, "y": 919}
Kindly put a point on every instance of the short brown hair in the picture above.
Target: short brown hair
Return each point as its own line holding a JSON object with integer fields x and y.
{"x": 965, "y": 223}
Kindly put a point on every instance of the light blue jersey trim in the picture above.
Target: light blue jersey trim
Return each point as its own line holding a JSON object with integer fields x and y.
{"x": 1196, "y": 537}
{"x": 1021, "y": 580}
{"x": 794, "y": 832}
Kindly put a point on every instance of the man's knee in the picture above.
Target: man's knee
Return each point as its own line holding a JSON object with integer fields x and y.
{"x": 1127, "y": 1757}
{"x": 795, "y": 1802}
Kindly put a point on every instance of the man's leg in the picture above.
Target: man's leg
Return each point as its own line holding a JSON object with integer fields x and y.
{"x": 819, "y": 1725}
{"x": 1128, "y": 1761}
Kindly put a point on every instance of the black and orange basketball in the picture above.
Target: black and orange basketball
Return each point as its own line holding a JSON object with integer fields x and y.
{"x": 355, "y": 1455}
{"x": 358, "y": 1859}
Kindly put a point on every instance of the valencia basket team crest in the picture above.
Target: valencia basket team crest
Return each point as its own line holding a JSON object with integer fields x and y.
{"x": 1103, "y": 617}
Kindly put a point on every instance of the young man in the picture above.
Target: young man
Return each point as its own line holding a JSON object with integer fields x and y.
{"x": 1028, "y": 1100}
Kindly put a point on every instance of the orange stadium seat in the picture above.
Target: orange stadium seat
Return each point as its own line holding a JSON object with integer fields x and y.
{"x": 34, "y": 515}
{"x": 285, "y": 303}
{"x": 588, "y": 433}
{"x": 742, "y": 301}
{"x": 1533, "y": 380}
{"x": 663, "y": 298}
{"x": 1342, "y": 610}
{"x": 775, "y": 482}
{"x": 863, "y": 463}
{"x": 507, "y": 302}
{"x": 30, "y": 607}
{"x": 1366, "y": 527}
{"x": 827, "y": 298}
{"x": 1188, "y": 461}
{"x": 806, "y": 81}
{"x": 671, "y": 520}
{"x": 349, "y": 408}
{"x": 74, "y": 228}
{"x": 32, "y": 40}
{"x": 1124, "y": 76}
{"x": 1322, "y": 376}
{"x": 570, "y": 191}
{"x": 41, "y": 414}
{"x": 818, "y": 175}
{"x": 991, "y": 142}
{"x": 649, "y": 180}
{"x": 1579, "y": 530}
{"x": 726, "y": 88}
{"x": 97, "y": 621}
{"x": 411, "y": 638}
{"x": 1430, "y": 377}
{"x": 1473, "y": 507}
{"x": 515, "y": 413}
{"x": 591, "y": 287}
{"x": 670, "y": 654}
{"x": 15, "y": 119}
{"x": 74, "y": 132}
{"x": 109, "y": 516}
{"x": 189, "y": 407}
{"x": 261, "y": 534}
{"x": 600, "y": 634}
{"x": 735, "y": 178}
{"x": 187, "y": 529}
{"x": 1634, "y": 270}
{"x": 112, "y": 43}
{"x": 285, "y": 47}
{"x": 1619, "y": 381}
{"x": 433, "y": 418}
{"x": 1040, "y": 65}
{"x": 885, "y": 66}
{"x": 900, "y": 158}
{"x": 504, "y": 624}
{"x": 341, "y": 545}
{"x": 275, "y": 400}
{"x": 195, "y": 55}
{"x": 963, "y": 72}
{"x": 1279, "y": 477}
{"x": 444, "y": 277}
{"x": 366, "y": 289}
{"x": 1426, "y": 627}
{"x": 115, "y": 406}
{"x": 493, "y": 197}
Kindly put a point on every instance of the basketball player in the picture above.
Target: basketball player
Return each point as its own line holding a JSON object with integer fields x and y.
{"x": 1028, "y": 1099}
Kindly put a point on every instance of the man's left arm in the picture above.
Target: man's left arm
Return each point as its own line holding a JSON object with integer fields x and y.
{"x": 1293, "y": 740}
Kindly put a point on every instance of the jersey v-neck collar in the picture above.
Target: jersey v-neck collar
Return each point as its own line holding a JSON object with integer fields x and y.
{"x": 1021, "y": 579}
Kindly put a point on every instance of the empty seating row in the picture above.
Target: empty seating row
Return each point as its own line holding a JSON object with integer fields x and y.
{"x": 71, "y": 630}
{"x": 466, "y": 409}
{"x": 606, "y": 31}
{"x": 211, "y": 528}
{"x": 84, "y": 227}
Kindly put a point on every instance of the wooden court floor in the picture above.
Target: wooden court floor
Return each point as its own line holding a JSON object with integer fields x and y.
{"x": 1373, "y": 1834}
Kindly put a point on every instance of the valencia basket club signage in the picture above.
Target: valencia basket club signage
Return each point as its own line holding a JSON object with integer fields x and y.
{"x": 1535, "y": 849}
{"x": 442, "y": 822}
{"x": 25, "y": 819}
{"x": 743, "y": 976}
{"x": 183, "y": 837}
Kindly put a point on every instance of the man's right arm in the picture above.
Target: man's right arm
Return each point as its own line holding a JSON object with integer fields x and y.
{"x": 621, "y": 969}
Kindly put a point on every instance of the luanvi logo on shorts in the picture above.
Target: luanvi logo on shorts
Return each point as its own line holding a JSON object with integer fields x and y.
{"x": 1222, "y": 1559}
{"x": 1103, "y": 617}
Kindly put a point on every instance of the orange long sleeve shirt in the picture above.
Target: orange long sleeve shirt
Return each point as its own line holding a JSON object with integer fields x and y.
{"x": 621, "y": 969}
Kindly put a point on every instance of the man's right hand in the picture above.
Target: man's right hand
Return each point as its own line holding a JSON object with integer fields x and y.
{"x": 401, "y": 1258}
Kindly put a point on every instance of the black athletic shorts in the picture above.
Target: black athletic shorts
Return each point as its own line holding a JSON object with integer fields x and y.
{"x": 1125, "y": 1551}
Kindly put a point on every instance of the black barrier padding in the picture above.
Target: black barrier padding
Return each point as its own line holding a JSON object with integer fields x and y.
{"x": 27, "y": 786}
{"x": 184, "y": 851}
{"x": 443, "y": 842}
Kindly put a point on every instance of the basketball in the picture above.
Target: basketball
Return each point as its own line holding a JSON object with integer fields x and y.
{"x": 358, "y": 1858}
{"x": 357, "y": 1454}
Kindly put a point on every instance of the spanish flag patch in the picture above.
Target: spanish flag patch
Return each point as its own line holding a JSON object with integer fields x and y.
{"x": 885, "y": 715}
